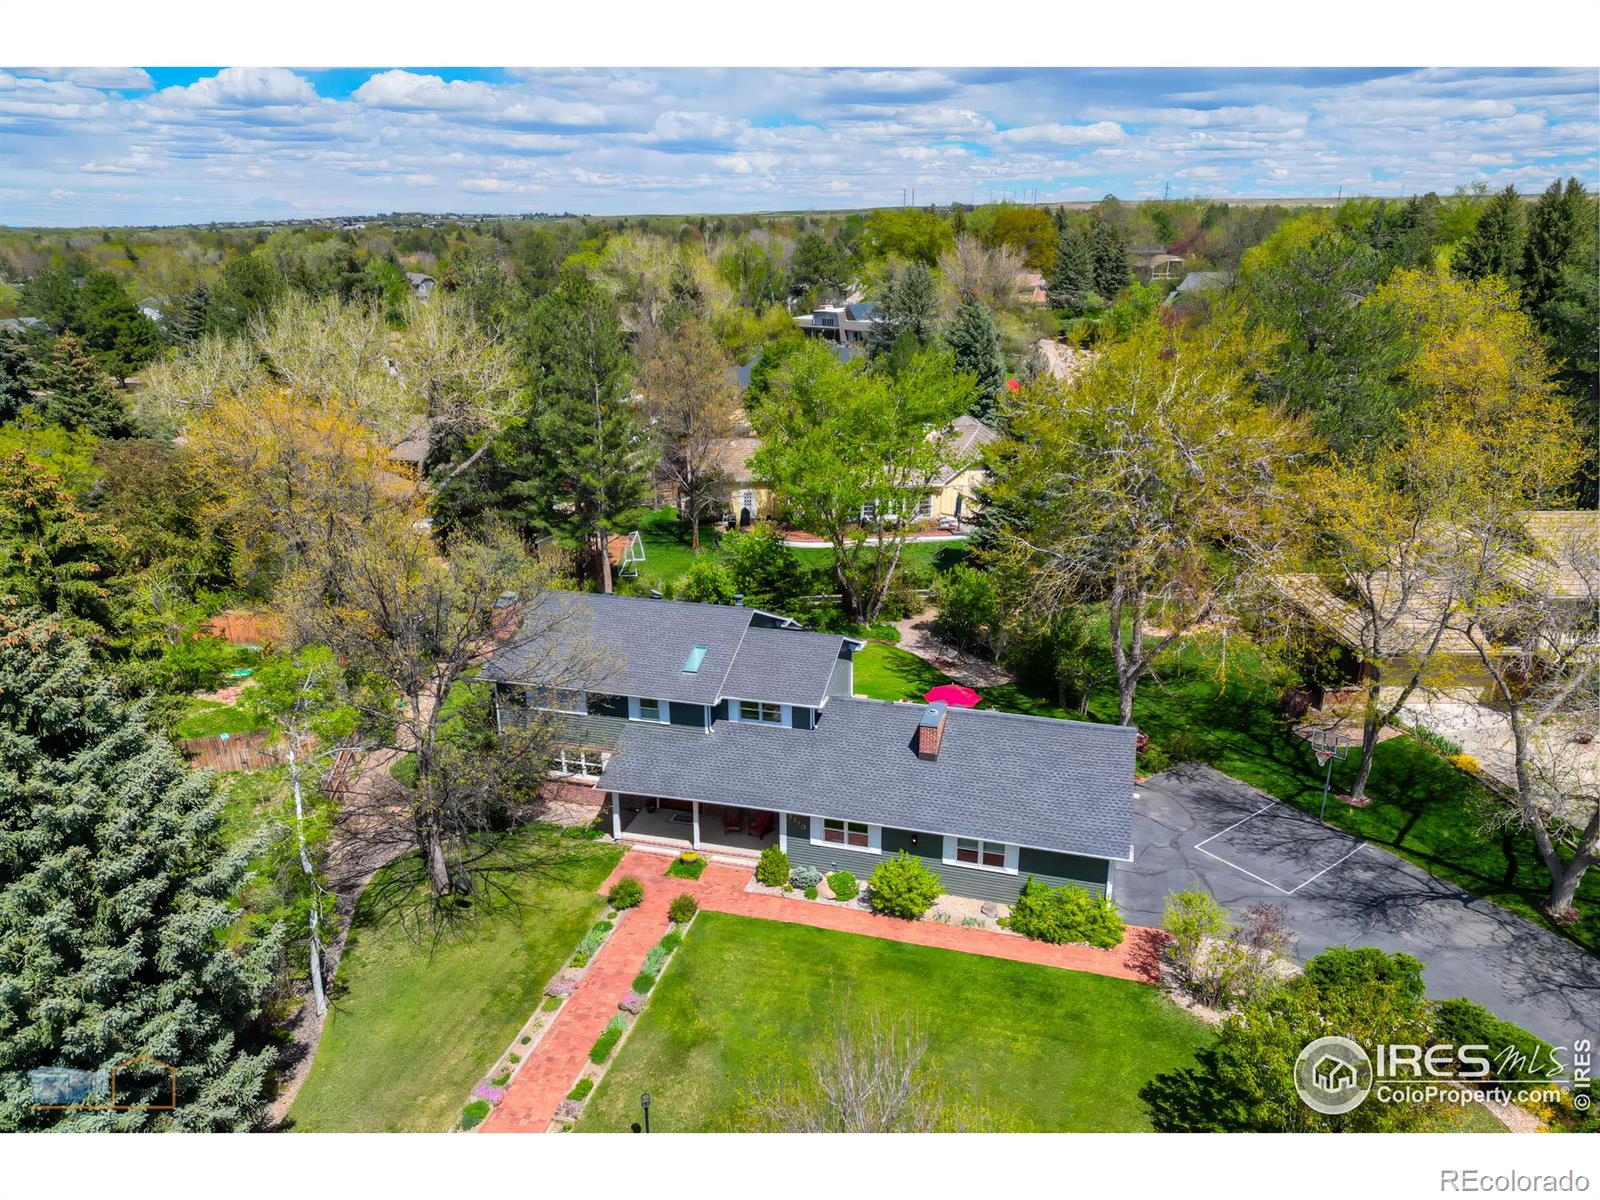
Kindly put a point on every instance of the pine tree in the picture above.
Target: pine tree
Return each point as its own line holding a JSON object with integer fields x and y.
{"x": 121, "y": 338}
{"x": 1071, "y": 279}
{"x": 1560, "y": 237}
{"x": 53, "y": 555}
{"x": 1110, "y": 256}
{"x": 1495, "y": 245}
{"x": 115, "y": 892}
{"x": 581, "y": 458}
{"x": 909, "y": 309}
{"x": 975, "y": 342}
{"x": 189, "y": 323}
{"x": 16, "y": 373}
{"x": 75, "y": 393}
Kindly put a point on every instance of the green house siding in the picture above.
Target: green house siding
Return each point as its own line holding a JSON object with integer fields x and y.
{"x": 687, "y": 714}
{"x": 1044, "y": 865}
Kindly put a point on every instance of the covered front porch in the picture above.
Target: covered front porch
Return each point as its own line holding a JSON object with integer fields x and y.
{"x": 689, "y": 824}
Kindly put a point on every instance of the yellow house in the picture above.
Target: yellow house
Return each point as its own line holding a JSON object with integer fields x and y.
{"x": 954, "y": 493}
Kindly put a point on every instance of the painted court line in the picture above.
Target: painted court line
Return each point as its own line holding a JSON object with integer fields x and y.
{"x": 1201, "y": 846}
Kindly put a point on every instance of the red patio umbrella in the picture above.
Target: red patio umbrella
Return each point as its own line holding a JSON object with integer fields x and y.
{"x": 954, "y": 695}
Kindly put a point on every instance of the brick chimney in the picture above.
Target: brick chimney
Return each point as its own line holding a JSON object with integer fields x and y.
{"x": 930, "y": 730}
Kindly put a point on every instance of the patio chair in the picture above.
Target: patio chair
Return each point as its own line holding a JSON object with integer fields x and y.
{"x": 760, "y": 824}
{"x": 732, "y": 820}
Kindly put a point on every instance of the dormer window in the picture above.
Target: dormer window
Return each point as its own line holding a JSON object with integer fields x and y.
{"x": 649, "y": 710}
{"x": 761, "y": 712}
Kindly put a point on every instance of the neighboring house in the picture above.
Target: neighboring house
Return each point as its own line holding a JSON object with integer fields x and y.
{"x": 410, "y": 453}
{"x": 20, "y": 325}
{"x": 1031, "y": 289}
{"x": 1196, "y": 283}
{"x": 1153, "y": 262}
{"x": 421, "y": 285}
{"x": 1562, "y": 565}
{"x": 954, "y": 492}
{"x": 151, "y": 308}
{"x": 850, "y": 322}
{"x": 729, "y": 729}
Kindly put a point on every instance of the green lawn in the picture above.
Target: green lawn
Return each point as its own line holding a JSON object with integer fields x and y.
{"x": 1045, "y": 1049}
{"x": 207, "y": 718}
{"x": 1422, "y": 808}
{"x": 416, "y": 1022}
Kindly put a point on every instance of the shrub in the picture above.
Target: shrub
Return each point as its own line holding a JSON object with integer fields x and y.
{"x": 514, "y": 1058}
{"x": 974, "y": 922}
{"x": 1153, "y": 760}
{"x": 633, "y": 1003}
{"x": 682, "y": 909}
{"x": 707, "y": 581}
{"x": 1513, "y": 1052}
{"x": 655, "y": 960}
{"x": 843, "y": 885}
{"x": 568, "y": 1110}
{"x": 564, "y": 984}
{"x": 579, "y": 961}
{"x": 965, "y": 600}
{"x": 551, "y": 1003}
{"x": 581, "y": 1089}
{"x": 1221, "y": 963}
{"x": 643, "y": 982}
{"x": 684, "y": 867}
{"x": 671, "y": 941}
{"x": 1183, "y": 746}
{"x": 902, "y": 887}
{"x": 501, "y": 1079}
{"x": 607, "y": 1041}
{"x": 625, "y": 893}
{"x": 1064, "y": 914}
{"x": 773, "y": 869}
{"x": 1465, "y": 762}
{"x": 491, "y": 1092}
{"x": 473, "y": 1114}
{"x": 805, "y": 877}
{"x": 811, "y": 892}
{"x": 1343, "y": 969}
{"x": 525, "y": 1039}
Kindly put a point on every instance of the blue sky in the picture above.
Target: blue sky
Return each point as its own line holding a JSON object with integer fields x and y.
{"x": 173, "y": 145}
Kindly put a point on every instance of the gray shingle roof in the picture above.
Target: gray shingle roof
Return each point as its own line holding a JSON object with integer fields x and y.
{"x": 783, "y": 666}
{"x": 647, "y": 643}
{"x": 1031, "y": 781}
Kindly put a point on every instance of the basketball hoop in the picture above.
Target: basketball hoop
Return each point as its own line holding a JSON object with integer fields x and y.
{"x": 1323, "y": 756}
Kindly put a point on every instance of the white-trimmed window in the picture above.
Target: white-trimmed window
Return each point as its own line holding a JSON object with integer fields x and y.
{"x": 925, "y": 506}
{"x": 571, "y": 761}
{"x": 642, "y": 708}
{"x": 761, "y": 712}
{"x": 847, "y": 835}
{"x": 983, "y": 855}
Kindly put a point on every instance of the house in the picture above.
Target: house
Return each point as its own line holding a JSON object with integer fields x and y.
{"x": 1031, "y": 289}
{"x": 849, "y": 322}
{"x": 20, "y": 325}
{"x": 1153, "y": 262}
{"x": 421, "y": 285}
{"x": 954, "y": 491}
{"x": 1195, "y": 284}
{"x": 729, "y": 729}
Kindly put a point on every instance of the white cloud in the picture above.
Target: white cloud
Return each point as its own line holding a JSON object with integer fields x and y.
{"x": 242, "y": 87}
{"x": 1062, "y": 135}
{"x": 122, "y": 79}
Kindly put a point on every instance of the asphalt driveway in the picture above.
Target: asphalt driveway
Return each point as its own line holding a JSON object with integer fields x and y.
{"x": 1194, "y": 826}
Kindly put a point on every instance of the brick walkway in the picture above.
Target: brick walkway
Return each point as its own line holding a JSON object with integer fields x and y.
{"x": 548, "y": 1075}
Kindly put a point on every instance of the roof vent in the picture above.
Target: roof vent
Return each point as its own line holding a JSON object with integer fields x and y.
{"x": 738, "y": 599}
{"x": 930, "y": 730}
{"x": 696, "y": 657}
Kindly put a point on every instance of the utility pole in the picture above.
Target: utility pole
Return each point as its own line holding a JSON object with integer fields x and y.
{"x": 1165, "y": 188}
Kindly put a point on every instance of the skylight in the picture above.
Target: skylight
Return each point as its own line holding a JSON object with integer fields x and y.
{"x": 696, "y": 657}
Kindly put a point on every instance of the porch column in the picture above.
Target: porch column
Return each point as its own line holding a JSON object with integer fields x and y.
{"x": 783, "y": 832}
{"x": 616, "y": 814}
{"x": 694, "y": 837}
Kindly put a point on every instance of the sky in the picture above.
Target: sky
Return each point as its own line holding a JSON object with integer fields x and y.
{"x": 180, "y": 145}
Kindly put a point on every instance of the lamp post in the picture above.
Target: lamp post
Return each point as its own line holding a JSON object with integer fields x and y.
{"x": 644, "y": 1103}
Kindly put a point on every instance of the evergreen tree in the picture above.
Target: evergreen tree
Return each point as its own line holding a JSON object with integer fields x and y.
{"x": 121, "y": 338}
{"x": 115, "y": 892}
{"x": 975, "y": 342}
{"x": 909, "y": 309}
{"x": 1110, "y": 256}
{"x": 53, "y": 555}
{"x": 189, "y": 323}
{"x": 1495, "y": 245}
{"x": 1071, "y": 278}
{"x": 15, "y": 376}
{"x": 51, "y": 295}
{"x": 581, "y": 457}
{"x": 819, "y": 265}
{"x": 248, "y": 285}
{"x": 76, "y": 394}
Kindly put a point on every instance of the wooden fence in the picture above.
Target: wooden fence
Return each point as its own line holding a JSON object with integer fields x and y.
{"x": 230, "y": 751}
{"x": 240, "y": 627}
